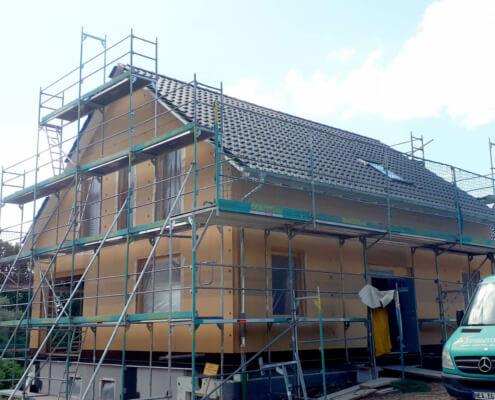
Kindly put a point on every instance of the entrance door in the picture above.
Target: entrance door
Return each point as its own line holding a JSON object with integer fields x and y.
{"x": 407, "y": 300}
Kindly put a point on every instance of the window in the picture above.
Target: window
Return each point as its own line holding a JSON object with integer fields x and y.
{"x": 168, "y": 167}
{"x": 481, "y": 311}
{"x": 389, "y": 173}
{"x": 62, "y": 291}
{"x": 62, "y": 288}
{"x": 90, "y": 208}
{"x": 281, "y": 283}
{"x": 383, "y": 170}
{"x": 107, "y": 389}
{"x": 155, "y": 290}
{"x": 122, "y": 188}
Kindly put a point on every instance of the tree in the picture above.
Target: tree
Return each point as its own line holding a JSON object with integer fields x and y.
{"x": 9, "y": 371}
{"x": 20, "y": 274}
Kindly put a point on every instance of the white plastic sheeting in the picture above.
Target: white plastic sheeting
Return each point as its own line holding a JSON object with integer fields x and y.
{"x": 168, "y": 170}
{"x": 375, "y": 298}
{"x": 155, "y": 286}
{"x": 93, "y": 212}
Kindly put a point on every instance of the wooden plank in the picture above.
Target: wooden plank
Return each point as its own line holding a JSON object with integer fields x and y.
{"x": 342, "y": 392}
{"x": 377, "y": 383}
{"x": 386, "y": 390}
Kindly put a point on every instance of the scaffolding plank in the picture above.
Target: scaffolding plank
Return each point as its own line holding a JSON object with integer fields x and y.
{"x": 101, "y": 96}
{"x": 171, "y": 140}
{"x": 266, "y": 214}
{"x": 231, "y": 213}
{"x": 99, "y": 319}
{"x": 43, "y": 188}
{"x": 88, "y": 242}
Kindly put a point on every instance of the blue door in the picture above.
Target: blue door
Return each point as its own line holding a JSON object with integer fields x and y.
{"x": 407, "y": 299}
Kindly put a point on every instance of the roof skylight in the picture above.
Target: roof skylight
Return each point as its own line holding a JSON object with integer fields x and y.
{"x": 381, "y": 168}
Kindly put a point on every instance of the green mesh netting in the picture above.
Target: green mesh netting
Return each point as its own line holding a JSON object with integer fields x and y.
{"x": 411, "y": 386}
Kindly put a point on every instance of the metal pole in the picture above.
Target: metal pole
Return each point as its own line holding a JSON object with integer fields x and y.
{"x": 312, "y": 167}
{"x": 413, "y": 272}
{"x": 412, "y": 145}
{"x": 221, "y": 142}
{"x": 322, "y": 346}
{"x": 170, "y": 327}
{"x": 401, "y": 333}
{"x": 129, "y": 213}
{"x": 67, "y": 303}
{"x": 457, "y": 205}
{"x": 492, "y": 168}
{"x": 38, "y": 287}
{"x": 222, "y": 307}
{"x": 387, "y": 180}
{"x": 243, "y": 317}
{"x": 440, "y": 298}
{"x": 217, "y": 173}
{"x": 193, "y": 246}
{"x": 136, "y": 286}
{"x": 267, "y": 304}
{"x": 371, "y": 333}
{"x": 252, "y": 358}
{"x": 342, "y": 298}
{"x": 156, "y": 88}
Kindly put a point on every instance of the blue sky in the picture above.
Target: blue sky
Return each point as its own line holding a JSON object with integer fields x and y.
{"x": 381, "y": 68}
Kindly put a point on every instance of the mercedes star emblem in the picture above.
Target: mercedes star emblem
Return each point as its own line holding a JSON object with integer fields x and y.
{"x": 485, "y": 365}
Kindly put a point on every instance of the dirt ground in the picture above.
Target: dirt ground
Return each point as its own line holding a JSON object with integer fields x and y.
{"x": 437, "y": 393}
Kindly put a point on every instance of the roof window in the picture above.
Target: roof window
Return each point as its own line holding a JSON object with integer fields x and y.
{"x": 381, "y": 168}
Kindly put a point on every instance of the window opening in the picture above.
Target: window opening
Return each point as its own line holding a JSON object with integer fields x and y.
{"x": 168, "y": 169}
{"x": 154, "y": 288}
{"x": 281, "y": 286}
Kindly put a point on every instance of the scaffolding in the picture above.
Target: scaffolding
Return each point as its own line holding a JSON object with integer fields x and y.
{"x": 61, "y": 287}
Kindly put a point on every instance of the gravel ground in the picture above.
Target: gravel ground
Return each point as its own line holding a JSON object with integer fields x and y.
{"x": 437, "y": 393}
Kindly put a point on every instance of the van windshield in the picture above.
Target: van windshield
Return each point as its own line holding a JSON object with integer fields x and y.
{"x": 481, "y": 311}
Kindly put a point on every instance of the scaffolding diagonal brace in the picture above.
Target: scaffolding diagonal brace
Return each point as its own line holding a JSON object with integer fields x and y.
{"x": 136, "y": 286}
{"x": 67, "y": 303}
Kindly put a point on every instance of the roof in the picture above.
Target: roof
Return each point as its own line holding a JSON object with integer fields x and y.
{"x": 281, "y": 145}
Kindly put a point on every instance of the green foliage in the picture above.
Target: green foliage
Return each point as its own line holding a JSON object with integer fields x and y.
{"x": 411, "y": 386}
{"x": 6, "y": 249}
{"x": 9, "y": 370}
{"x": 8, "y": 312}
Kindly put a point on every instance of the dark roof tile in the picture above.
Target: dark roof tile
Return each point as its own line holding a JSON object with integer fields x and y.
{"x": 279, "y": 143}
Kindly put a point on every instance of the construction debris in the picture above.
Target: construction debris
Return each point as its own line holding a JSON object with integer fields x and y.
{"x": 377, "y": 383}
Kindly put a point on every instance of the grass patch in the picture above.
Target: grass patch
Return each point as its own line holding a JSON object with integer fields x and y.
{"x": 411, "y": 386}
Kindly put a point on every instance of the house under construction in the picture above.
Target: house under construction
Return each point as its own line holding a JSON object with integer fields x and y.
{"x": 174, "y": 241}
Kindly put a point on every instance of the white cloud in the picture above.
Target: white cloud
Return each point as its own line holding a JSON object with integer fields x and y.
{"x": 341, "y": 55}
{"x": 447, "y": 68}
{"x": 247, "y": 89}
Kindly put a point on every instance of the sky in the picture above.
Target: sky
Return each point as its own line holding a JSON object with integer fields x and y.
{"x": 382, "y": 69}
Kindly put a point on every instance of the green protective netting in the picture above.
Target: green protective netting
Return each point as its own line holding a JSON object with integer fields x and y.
{"x": 411, "y": 386}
